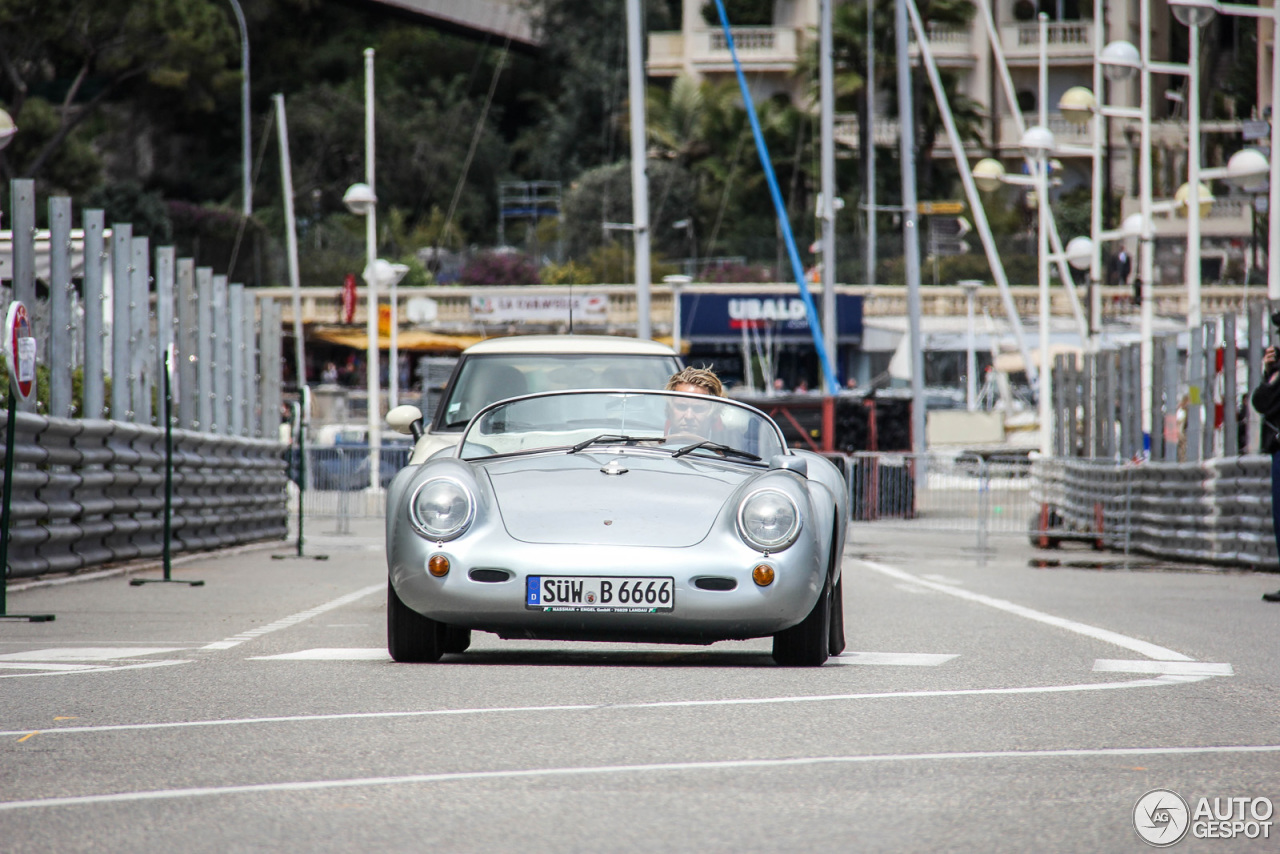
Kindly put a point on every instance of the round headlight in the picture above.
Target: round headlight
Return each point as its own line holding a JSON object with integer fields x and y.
{"x": 769, "y": 519}
{"x": 441, "y": 509}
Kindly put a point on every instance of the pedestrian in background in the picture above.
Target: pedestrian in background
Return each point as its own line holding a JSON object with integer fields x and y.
{"x": 1266, "y": 400}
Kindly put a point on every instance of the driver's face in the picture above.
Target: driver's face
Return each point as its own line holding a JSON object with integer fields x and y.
{"x": 687, "y": 415}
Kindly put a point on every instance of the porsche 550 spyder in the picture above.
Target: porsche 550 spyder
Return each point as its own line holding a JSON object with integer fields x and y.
{"x": 618, "y": 515}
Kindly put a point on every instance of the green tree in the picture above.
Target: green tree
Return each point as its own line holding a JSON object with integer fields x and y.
{"x": 80, "y": 54}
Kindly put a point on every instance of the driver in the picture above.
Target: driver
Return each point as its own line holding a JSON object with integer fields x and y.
{"x": 692, "y": 417}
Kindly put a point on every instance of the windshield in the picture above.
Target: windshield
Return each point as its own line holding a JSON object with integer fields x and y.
{"x": 483, "y": 380}
{"x": 693, "y": 424}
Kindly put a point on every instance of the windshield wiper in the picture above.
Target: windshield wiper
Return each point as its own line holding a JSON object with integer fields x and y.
{"x": 714, "y": 446}
{"x": 612, "y": 438}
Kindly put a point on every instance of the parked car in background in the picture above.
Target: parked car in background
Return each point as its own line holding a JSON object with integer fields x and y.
{"x": 633, "y": 516}
{"x": 523, "y": 364}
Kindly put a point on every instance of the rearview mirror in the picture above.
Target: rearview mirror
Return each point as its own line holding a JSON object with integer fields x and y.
{"x": 790, "y": 462}
{"x": 406, "y": 419}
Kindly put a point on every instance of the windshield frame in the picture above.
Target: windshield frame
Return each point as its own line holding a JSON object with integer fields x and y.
{"x": 441, "y": 423}
{"x": 676, "y": 444}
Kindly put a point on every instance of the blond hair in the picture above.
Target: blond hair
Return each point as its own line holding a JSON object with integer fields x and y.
{"x": 703, "y": 378}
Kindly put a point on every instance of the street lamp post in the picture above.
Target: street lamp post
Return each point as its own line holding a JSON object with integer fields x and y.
{"x": 361, "y": 200}
{"x": 971, "y": 358}
{"x": 246, "y": 153}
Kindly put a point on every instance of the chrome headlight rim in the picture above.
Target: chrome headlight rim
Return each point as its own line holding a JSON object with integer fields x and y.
{"x": 457, "y": 531}
{"x": 792, "y": 534}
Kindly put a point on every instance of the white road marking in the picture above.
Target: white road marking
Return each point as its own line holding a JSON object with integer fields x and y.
{"x": 893, "y": 659}
{"x": 1141, "y": 647}
{"x": 663, "y": 767}
{"x": 293, "y": 620}
{"x": 63, "y": 671}
{"x": 29, "y": 665}
{"x": 944, "y": 579}
{"x": 328, "y": 654}
{"x": 1156, "y": 682}
{"x": 86, "y": 653}
{"x": 1176, "y": 668}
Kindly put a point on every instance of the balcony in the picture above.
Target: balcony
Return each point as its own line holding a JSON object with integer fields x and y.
{"x": 1064, "y": 132}
{"x": 952, "y": 46}
{"x": 1069, "y": 43}
{"x": 707, "y": 51}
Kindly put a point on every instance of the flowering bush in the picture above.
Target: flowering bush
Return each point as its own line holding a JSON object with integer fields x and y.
{"x": 500, "y": 268}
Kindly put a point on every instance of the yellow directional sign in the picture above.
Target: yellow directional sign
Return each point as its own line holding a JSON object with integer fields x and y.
{"x": 943, "y": 208}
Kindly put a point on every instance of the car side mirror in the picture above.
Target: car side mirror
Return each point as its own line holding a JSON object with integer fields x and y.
{"x": 790, "y": 462}
{"x": 406, "y": 419}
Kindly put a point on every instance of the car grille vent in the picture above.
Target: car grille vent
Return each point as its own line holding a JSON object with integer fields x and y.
{"x": 715, "y": 583}
{"x": 489, "y": 576}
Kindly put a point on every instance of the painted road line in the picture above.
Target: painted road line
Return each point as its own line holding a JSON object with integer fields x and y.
{"x": 86, "y": 653}
{"x": 1155, "y": 682}
{"x": 294, "y": 619}
{"x": 1172, "y": 668}
{"x": 893, "y": 659}
{"x": 1141, "y": 647}
{"x": 99, "y": 669}
{"x": 329, "y": 654}
{"x": 655, "y": 768}
{"x": 32, "y": 665}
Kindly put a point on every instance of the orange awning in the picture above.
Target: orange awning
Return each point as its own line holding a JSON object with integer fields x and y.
{"x": 410, "y": 339}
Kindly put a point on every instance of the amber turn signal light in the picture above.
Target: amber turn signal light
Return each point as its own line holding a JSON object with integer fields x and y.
{"x": 438, "y": 566}
{"x": 762, "y": 575}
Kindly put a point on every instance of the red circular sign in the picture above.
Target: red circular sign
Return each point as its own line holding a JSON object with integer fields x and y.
{"x": 20, "y": 351}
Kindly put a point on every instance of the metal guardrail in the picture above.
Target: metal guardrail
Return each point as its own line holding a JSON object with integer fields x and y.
{"x": 88, "y": 492}
{"x": 1212, "y": 512}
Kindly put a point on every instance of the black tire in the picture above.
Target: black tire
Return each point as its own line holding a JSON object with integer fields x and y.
{"x": 411, "y": 637}
{"x": 836, "y": 646}
{"x": 806, "y": 644}
{"x": 456, "y": 639}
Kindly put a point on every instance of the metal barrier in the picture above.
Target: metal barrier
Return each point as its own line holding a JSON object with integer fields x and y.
{"x": 338, "y": 481}
{"x": 1217, "y": 511}
{"x": 89, "y": 492}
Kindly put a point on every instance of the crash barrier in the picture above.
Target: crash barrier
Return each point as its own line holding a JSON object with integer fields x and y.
{"x": 88, "y": 492}
{"x": 1216, "y": 511}
{"x": 1196, "y": 406}
{"x": 337, "y": 484}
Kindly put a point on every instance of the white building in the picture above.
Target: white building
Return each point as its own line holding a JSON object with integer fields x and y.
{"x": 770, "y": 54}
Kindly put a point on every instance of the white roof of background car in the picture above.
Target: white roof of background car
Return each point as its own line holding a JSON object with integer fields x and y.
{"x": 570, "y": 344}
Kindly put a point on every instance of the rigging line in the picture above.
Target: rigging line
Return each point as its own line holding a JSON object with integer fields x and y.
{"x": 475, "y": 139}
{"x": 268, "y": 124}
{"x": 428, "y": 190}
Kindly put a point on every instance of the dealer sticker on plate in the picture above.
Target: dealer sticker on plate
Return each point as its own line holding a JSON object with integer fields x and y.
{"x": 595, "y": 593}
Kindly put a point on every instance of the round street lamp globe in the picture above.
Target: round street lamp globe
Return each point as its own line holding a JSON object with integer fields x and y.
{"x": 1121, "y": 60}
{"x": 1193, "y": 13}
{"x": 359, "y": 199}
{"x": 1037, "y": 141}
{"x": 1132, "y": 225}
{"x": 1077, "y": 105}
{"x": 1183, "y": 196}
{"x": 988, "y": 173}
{"x": 1079, "y": 252}
{"x": 1247, "y": 163}
{"x": 7, "y": 128}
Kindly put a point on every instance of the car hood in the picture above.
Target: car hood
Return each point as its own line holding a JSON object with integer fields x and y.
{"x": 566, "y": 498}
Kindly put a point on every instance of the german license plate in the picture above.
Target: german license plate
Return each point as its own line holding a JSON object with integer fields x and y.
{"x": 599, "y": 593}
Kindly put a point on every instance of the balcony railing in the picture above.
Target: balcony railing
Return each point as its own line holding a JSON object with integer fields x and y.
{"x": 1064, "y": 131}
{"x": 770, "y": 47}
{"x": 1065, "y": 39}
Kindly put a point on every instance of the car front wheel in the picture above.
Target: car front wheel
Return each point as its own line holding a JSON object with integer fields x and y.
{"x": 411, "y": 637}
{"x": 807, "y": 644}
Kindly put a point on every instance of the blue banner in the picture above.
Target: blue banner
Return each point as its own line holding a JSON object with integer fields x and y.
{"x": 720, "y": 317}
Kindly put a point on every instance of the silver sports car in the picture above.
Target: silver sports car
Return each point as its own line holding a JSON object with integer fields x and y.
{"x": 634, "y": 516}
